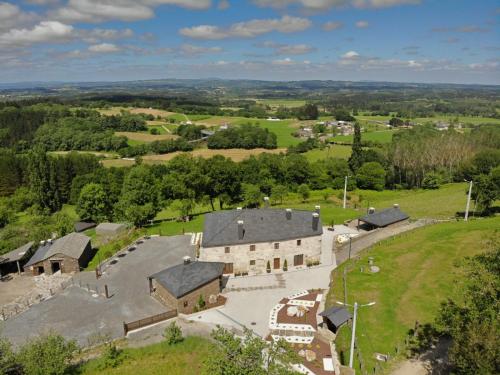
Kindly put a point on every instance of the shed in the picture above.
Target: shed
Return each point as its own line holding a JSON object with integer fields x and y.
{"x": 335, "y": 317}
{"x": 110, "y": 229}
{"x": 181, "y": 286}
{"x": 81, "y": 226}
{"x": 383, "y": 218}
{"x": 14, "y": 260}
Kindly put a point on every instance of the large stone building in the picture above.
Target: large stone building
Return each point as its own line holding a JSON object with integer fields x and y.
{"x": 180, "y": 287}
{"x": 66, "y": 254}
{"x": 248, "y": 240}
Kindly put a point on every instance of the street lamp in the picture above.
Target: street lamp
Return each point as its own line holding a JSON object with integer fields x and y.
{"x": 351, "y": 353}
{"x": 468, "y": 201}
{"x": 345, "y": 191}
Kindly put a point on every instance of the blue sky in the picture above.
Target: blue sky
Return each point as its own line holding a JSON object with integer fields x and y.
{"x": 454, "y": 41}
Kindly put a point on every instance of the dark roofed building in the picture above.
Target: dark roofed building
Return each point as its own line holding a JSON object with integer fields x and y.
{"x": 383, "y": 218}
{"x": 261, "y": 240}
{"x": 180, "y": 286}
{"x": 14, "y": 260}
{"x": 335, "y": 317}
{"x": 81, "y": 226}
{"x": 66, "y": 254}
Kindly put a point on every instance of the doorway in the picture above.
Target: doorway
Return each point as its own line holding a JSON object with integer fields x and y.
{"x": 56, "y": 266}
{"x": 298, "y": 260}
{"x": 276, "y": 263}
{"x": 228, "y": 268}
{"x": 40, "y": 270}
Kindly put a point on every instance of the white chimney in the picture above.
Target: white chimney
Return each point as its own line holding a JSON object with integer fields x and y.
{"x": 241, "y": 231}
{"x": 239, "y": 208}
{"x": 317, "y": 209}
{"x": 315, "y": 221}
{"x": 288, "y": 213}
{"x": 371, "y": 210}
{"x": 396, "y": 206}
{"x": 186, "y": 259}
{"x": 266, "y": 202}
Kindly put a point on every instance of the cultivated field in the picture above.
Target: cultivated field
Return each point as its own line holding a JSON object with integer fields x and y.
{"x": 235, "y": 154}
{"x": 147, "y": 111}
{"x": 416, "y": 274}
{"x": 384, "y": 136}
{"x": 145, "y": 137}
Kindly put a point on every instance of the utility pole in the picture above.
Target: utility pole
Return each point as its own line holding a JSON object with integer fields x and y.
{"x": 345, "y": 192}
{"x": 468, "y": 202}
{"x": 350, "y": 246}
{"x": 345, "y": 285}
{"x": 353, "y": 337}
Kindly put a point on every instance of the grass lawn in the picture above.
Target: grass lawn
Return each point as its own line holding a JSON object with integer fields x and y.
{"x": 416, "y": 273}
{"x": 384, "y": 136}
{"x": 185, "y": 358}
{"x": 334, "y": 151}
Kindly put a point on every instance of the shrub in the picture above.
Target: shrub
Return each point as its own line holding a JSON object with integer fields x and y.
{"x": 112, "y": 357}
{"x": 268, "y": 267}
{"x": 201, "y": 302}
{"x": 154, "y": 131}
{"x": 431, "y": 180}
{"x": 173, "y": 334}
{"x": 285, "y": 265}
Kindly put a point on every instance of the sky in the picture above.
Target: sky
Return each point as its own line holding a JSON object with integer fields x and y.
{"x": 434, "y": 41}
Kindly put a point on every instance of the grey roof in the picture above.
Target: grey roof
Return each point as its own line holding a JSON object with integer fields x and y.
{"x": 17, "y": 254}
{"x": 385, "y": 217}
{"x": 184, "y": 278}
{"x": 109, "y": 227}
{"x": 260, "y": 225}
{"x": 71, "y": 245}
{"x": 81, "y": 226}
{"x": 337, "y": 315}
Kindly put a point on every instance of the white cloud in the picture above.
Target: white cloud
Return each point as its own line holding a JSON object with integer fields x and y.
{"x": 362, "y": 24}
{"x": 124, "y": 10}
{"x": 189, "y": 49}
{"x": 286, "y": 61}
{"x": 12, "y": 16}
{"x": 287, "y": 49}
{"x": 95, "y": 35}
{"x": 350, "y": 55}
{"x": 332, "y": 25}
{"x": 247, "y": 29}
{"x": 319, "y": 5}
{"x": 44, "y": 32}
{"x": 104, "y": 48}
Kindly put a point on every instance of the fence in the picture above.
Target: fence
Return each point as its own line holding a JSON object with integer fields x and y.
{"x": 127, "y": 327}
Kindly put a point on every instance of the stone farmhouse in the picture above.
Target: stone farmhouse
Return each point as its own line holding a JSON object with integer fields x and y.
{"x": 66, "y": 254}
{"x": 181, "y": 286}
{"x": 259, "y": 240}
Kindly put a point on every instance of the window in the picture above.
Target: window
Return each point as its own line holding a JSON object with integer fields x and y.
{"x": 276, "y": 245}
{"x": 252, "y": 247}
{"x": 185, "y": 303}
{"x": 298, "y": 260}
{"x": 227, "y": 250}
{"x": 252, "y": 262}
{"x": 299, "y": 242}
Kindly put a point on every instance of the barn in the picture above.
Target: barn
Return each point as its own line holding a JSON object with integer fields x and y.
{"x": 66, "y": 254}
{"x": 384, "y": 218}
{"x": 14, "y": 260}
{"x": 181, "y": 286}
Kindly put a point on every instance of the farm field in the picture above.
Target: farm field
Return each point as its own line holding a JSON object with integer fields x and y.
{"x": 384, "y": 136}
{"x": 462, "y": 119}
{"x": 107, "y": 154}
{"x": 134, "y": 110}
{"x": 334, "y": 151}
{"x": 184, "y": 358}
{"x": 145, "y": 137}
{"x": 416, "y": 273}
{"x": 275, "y": 103}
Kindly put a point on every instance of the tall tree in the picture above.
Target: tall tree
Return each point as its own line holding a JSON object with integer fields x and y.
{"x": 356, "y": 158}
{"x": 43, "y": 182}
{"x": 93, "y": 203}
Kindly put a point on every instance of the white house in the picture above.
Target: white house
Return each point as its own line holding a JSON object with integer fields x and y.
{"x": 246, "y": 240}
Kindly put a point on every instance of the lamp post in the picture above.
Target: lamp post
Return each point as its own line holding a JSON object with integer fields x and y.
{"x": 468, "y": 202}
{"x": 353, "y": 336}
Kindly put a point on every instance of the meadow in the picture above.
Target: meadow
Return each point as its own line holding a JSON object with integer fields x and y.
{"x": 417, "y": 273}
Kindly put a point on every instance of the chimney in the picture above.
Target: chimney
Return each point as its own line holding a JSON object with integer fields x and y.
{"x": 42, "y": 242}
{"x": 288, "y": 213}
{"x": 317, "y": 209}
{"x": 371, "y": 210}
{"x": 266, "y": 202}
{"x": 186, "y": 259}
{"x": 396, "y": 206}
{"x": 315, "y": 221}
{"x": 49, "y": 241}
{"x": 241, "y": 231}
{"x": 239, "y": 208}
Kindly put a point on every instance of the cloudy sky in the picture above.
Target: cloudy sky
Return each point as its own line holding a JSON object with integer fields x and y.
{"x": 455, "y": 41}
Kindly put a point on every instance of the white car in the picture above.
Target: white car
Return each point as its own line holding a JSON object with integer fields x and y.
{"x": 343, "y": 238}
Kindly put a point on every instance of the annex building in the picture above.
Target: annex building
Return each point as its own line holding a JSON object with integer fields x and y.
{"x": 254, "y": 240}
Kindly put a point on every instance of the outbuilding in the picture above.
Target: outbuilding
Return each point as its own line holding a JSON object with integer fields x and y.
{"x": 335, "y": 317}
{"x": 66, "y": 254}
{"x": 15, "y": 260}
{"x": 110, "y": 230}
{"x": 180, "y": 287}
{"x": 384, "y": 218}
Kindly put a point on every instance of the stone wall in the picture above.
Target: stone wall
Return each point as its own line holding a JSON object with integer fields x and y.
{"x": 241, "y": 255}
{"x": 211, "y": 288}
{"x": 67, "y": 264}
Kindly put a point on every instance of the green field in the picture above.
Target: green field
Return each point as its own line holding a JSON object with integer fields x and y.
{"x": 275, "y": 103}
{"x": 334, "y": 151}
{"x": 185, "y": 358}
{"x": 416, "y": 273}
{"x": 462, "y": 119}
{"x": 384, "y": 136}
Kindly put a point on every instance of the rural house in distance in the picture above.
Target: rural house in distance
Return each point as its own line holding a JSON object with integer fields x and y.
{"x": 66, "y": 254}
{"x": 248, "y": 240}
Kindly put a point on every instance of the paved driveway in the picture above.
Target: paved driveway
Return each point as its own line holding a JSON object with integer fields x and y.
{"x": 77, "y": 313}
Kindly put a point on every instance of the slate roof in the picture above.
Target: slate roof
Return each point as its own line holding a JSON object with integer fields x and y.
{"x": 109, "y": 227}
{"x": 17, "y": 254}
{"x": 184, "y": 278}
{"x": 337, "y": 315}
{"x": 71, "y": 245}
{"x": 260, "y": 225}
{"x": 385, "y": 217}
{"x": 81, "y": 226}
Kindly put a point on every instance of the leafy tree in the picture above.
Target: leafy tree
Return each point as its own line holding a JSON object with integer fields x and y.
{"x": 396, "y": 121}
{"x": 93, "y": 203}
{"x": 342, "y": 114}
{"x": 484, "y": 192}
{"x": 43, "y": 180}
{"x": 252, "y": 195}
{"x": 184, "y": 206}
{"x": 173, "y": 334}
{"x": 48, "y": 354}
{"x": 308, "y": 112}
{"x": 371, "y": 176}
{"x": 356, "y": 158}
{"x": 304, "y": 192}
{"x": 63, "y": 223}
{"x": 8, "y": 361}
{"x": 279, "y": 192}
{"x": 432, "y": 180}
{"x": 154, "y": 131}
{"x": 249, "y": 355}
{"x": 471, "y": 320}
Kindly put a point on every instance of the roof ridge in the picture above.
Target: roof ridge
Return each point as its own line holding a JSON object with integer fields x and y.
{"x": 238, "y": 214}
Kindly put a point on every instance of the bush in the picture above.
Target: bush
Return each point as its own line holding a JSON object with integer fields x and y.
{"x": 173, "y": 334}
{"x": 154, "y": 131}
{"x": 112, "y": 357}
{"x": 268, "y": 267}
{"x": 201, "y": 302}
{"x": 285, "y": 265}
{"x": 431, "y": 181}
{"x": 304, "y": 192}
